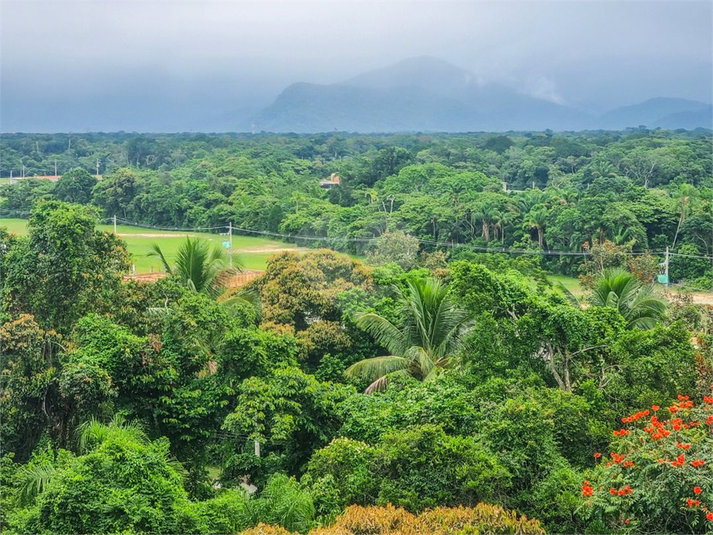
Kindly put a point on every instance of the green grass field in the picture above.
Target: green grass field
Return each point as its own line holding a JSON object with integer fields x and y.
{"x": 251, "y": 252}
{"x": 571, "y": 283}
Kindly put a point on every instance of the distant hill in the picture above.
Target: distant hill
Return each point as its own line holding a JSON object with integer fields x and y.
{"x": 426, "y": 94}
{"x": 690, "y": 120}
{"x": 419, "y": 94}
{"x": 664, "y": 112}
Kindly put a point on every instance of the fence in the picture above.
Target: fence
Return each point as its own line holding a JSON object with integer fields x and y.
{"x": 230, "y": 281}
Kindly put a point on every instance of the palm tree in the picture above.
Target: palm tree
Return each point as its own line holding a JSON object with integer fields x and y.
{"x": 537, "y": 219}
{"x": 433, "y": 327}
{"x": 198, "y": 266}
{"x": 636, "y": 302}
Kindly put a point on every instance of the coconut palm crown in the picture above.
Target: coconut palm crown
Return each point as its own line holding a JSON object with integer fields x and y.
{"x": 635, "y": 301}
{"x": 433, "y": 328}
{"x": 198, "y": 265}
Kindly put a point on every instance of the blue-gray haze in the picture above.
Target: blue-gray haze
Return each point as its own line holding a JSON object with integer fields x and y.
{"x": 188, "y": 66}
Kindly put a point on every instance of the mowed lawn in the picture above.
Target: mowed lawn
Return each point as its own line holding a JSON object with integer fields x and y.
{"x": 250, "y": 252}
{"x": 571, "y": 283}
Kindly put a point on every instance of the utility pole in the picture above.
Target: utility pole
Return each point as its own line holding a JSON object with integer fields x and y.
{"x": 257, "y": 449}
{"x": 114, "y": 224}
{"x": 230, "y": 252}
{"x": 55, "y": 168}
{"x": 97, "y": 168}
{"x": 666, "y": 268}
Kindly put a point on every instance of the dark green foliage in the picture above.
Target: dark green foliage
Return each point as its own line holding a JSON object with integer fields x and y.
{"x": 75, "y": 186}
{"x": 65, "y": 267}
{"x": 290, "y": 413}
{"x": 121, "y": 484}
{"x": 416, "y": 469}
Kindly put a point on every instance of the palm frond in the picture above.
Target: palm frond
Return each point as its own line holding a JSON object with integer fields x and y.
{"x": 383, "y": 331}
{"x": 33, "y": 480}
{"x": 569, "y": 296}
{"x": 156, "y": 251}
{"x": 376, "y": 367}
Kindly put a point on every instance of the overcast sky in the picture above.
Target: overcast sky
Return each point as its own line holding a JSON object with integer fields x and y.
{"x": 151, "y": 66}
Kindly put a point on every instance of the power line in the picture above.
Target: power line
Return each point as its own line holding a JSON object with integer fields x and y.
{"x": 452, "y": 245}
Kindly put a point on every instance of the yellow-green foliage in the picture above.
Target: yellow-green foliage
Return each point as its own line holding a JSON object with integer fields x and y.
{"x": 483, "y": 519}
{"x": 265, "y": 529}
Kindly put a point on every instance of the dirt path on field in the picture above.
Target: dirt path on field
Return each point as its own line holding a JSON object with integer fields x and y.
{"x": 269, "y": 249}
{"x": 152, "y": 235}
{"x": 702, "y": 298}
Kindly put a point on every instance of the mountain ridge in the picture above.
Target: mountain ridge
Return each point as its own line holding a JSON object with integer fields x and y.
{"x": 428, "y": 94}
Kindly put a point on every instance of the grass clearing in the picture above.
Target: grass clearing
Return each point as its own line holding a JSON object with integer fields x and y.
{"x": 571, "y": 283}
{"x": 251, "y": 252}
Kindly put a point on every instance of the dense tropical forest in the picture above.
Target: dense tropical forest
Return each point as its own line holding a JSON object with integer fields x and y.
{"x": 433, "y": 379}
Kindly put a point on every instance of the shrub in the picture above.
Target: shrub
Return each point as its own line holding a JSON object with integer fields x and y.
{"x": 388, "y": 520}
{"x": 483, "y": 519}
{"x": 265, "y": 529}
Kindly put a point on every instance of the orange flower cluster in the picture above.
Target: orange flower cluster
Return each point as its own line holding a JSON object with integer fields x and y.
{"x": 683, "y": 446}
{"x": 708, "y": 399}
{"x": 617, "y": 458}
{"x": 621, "y": 492}
{"x": 638, "y": 415}
{"x": 680, "y": 461}
{"x": 587, "y": 489}
{"x": 697, "y": 463}
{"x": 621, "y": 432}
{"x": 696, "y": 503}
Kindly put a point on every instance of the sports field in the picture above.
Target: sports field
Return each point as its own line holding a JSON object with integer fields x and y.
{"x": 251, "y": 252}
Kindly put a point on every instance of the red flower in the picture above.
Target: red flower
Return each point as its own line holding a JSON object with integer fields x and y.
{"x": 612, "y": 492}
{"x": 655, "y": 407}
{"x": 709, "y": 516}
{"x": 597, "y": 455}
{"x": 697, "y": 490}
{"x": 626, "y": 521}
{"x": 689, "y": 501}
{"x": 681, "y": 459}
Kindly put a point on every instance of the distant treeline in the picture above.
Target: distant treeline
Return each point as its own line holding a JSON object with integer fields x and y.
{"x": 641, "y": 190}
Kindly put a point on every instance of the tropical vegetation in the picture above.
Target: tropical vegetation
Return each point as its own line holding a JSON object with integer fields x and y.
{"x": 495, "y": 401}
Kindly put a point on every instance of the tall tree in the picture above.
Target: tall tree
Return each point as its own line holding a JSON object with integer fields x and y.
{"x": 64, "y": 268}
{"x": 75, "y": 186}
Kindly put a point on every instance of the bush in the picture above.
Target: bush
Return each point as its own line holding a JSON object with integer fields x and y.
{"x": 265, "y": 529}
{"x": 282, "y": 503}
{"x": 415, "y": 468}
{"x": 483, "y": 519}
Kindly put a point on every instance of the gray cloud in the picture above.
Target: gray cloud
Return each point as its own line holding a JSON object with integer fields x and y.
{"x": 137, "y": 65}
